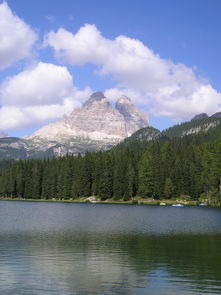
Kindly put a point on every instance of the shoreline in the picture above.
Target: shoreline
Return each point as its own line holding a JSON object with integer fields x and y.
{"x": 163, "y": 202}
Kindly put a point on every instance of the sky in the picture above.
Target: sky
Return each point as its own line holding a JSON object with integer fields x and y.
{"x": 163, "y": 54}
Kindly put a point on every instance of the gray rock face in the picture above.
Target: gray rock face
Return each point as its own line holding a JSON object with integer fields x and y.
{"x": 200, "y": 116}
{"x": 97, "y": 120}
{"x": 96, "y": 96}
{"x": 134, "y": 119}
{"x": 94, "y": 126}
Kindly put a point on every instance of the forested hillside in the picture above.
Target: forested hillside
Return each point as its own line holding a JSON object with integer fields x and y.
{"x": 165, "y": 168}
{"x": 192, "y": 127}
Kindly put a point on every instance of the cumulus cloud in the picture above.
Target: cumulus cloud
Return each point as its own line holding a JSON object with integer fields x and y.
{"x": 44, "y": 84}
{"x": 38, "y": 95}
{"x": 165, "y": 87}
{"x": 203, "y": 99}
{"x": 19, "y": 117}
{"x": 17, "y": 38}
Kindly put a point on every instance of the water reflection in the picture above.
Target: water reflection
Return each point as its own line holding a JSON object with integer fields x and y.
{"x": 72, "y": 257}
{"x": 72, "y": 263}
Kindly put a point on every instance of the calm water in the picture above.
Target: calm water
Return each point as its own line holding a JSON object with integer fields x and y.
{"x": 58, "y": 248}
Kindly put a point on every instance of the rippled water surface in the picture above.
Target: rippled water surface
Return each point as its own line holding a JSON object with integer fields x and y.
{"x": 61, "y": 248}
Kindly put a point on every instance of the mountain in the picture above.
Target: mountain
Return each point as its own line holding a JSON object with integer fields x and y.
{"x": 94, "y": 126}
{"x": 198, "y": 124}
{"x": 134, "y": 119}
{"x": 96, "y": 120}
{"x": 144, "y": 134}
{"x": 185, "y": 168}
{"x": 97, "y": 125}
{"x": 200, "y": 116}
{"x": 217, "y": 115}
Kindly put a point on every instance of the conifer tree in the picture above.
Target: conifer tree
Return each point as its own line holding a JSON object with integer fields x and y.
{"x": 146, "y": 181}
{"x": 168, "y": 188}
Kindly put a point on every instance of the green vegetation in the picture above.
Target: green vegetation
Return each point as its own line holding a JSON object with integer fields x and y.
{"x": 191, "y": 127}
{"x": 166, "y": 168}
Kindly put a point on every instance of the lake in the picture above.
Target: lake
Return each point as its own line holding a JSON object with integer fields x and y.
{"x": 70, "y": 248}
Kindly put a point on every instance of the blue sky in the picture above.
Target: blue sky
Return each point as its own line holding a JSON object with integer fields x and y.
{"x": 180, "y": 37}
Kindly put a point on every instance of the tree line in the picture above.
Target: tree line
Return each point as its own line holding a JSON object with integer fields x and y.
{"x": 165, "y": 168}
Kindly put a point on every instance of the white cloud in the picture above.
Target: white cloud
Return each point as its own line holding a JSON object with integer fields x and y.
{"x": 19, "y": 117}
{"x": 38, "y": 95}
{"x": 11, "y": 117}
{"x": 43, "y": 84}
{"x": 165, "y": 87}
{"x": 80, "y": 48}
{"x": 203, "y": 99}
{"x": 17, "y": 38}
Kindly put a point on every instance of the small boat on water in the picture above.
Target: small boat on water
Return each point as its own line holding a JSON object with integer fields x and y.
{"x": 202, "y": 204}
{"x": 177, "y": 205}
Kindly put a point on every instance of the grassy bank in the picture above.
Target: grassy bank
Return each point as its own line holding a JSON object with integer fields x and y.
{"x": 110, "y": 201}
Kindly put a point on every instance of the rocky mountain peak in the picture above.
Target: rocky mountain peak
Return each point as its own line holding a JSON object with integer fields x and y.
{"x": 96, "y": 96}
{"x": 96, "y": 120}
{"x": 134, "y": 118}
{"x": 124, "y": 100}
{"x": 200, "y": 116}
{"x": 126, "y": 107}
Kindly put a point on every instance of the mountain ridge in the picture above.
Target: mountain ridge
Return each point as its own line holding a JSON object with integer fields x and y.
{"x": 58, "y": 144}
{"x": 97, "y": 120}
{"x": 94, "y": 126}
